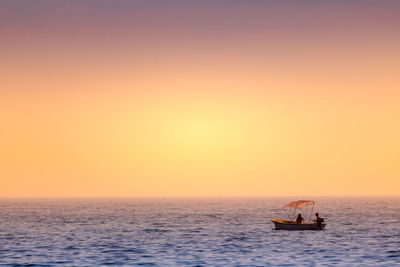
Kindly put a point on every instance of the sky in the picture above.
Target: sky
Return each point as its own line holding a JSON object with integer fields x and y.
{"x": 199, "y": 98}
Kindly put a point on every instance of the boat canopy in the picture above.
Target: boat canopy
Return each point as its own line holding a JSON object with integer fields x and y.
{"x": 299, "y": 204}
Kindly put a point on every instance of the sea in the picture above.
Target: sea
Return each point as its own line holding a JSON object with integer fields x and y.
{"x": 195, "y": 232}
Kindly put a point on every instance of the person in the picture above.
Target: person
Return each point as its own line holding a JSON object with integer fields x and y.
{"x": 318, "y": 221}
{"x": 299, "y": 219}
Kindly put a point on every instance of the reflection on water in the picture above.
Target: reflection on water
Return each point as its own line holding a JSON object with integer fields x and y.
{"x": 195, "y": 232}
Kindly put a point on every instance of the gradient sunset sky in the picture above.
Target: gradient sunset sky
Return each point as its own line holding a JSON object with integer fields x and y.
{"x": 199, "y": 98}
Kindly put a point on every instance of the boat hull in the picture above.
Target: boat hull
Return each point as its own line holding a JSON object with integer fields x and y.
{"x": 289, "y": 225}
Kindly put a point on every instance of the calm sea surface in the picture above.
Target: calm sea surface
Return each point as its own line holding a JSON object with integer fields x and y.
{"x": 195, "y": 232}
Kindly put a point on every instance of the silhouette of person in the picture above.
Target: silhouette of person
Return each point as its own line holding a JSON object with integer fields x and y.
{"x": 299, "y": 219}
{"x": 318, "y": 221}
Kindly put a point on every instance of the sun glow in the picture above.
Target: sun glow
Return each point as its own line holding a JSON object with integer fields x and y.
{"x": 200, "y": 99}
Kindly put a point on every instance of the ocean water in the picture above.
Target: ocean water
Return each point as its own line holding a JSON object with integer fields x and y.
{"x": 195, "y": 232}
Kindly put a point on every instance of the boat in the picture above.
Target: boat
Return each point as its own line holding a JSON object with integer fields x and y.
{"x": 291, "y": 225}
{"x": 291, "y": 209}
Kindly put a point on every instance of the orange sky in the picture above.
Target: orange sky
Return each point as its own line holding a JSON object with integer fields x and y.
{"x": 218, "y": 98}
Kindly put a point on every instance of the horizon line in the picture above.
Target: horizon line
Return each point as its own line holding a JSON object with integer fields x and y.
{"x": 198, "y": 197}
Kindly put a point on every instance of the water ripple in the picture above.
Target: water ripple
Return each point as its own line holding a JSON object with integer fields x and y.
{"x": 219, "y": 232}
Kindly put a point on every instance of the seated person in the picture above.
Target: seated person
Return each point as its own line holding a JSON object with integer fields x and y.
{"x": 299, "y": 219}
{"x": 318, "y": 220}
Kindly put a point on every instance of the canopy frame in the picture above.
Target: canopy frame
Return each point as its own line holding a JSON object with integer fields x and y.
{"x": 291, "y": 209}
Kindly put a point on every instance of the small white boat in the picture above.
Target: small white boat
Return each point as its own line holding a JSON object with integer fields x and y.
{"x": 290, "y": 210}
{"x": 290, "y": 225}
